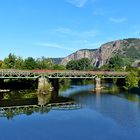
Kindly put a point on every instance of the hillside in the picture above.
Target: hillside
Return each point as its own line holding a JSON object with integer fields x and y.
{"x": 127, "y": 48}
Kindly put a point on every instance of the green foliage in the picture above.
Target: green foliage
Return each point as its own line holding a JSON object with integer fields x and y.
{"x": 58, "y": 67}
{"x": 82, "y": 64}
{"x": 132, "y": 80}
{"x": 14, "y": 62}
{"x": 105, "y": 67}
{"x": 72, "y": 65}
{"x": 44, "y": 63}
{"x": 116, "y": 62}
{"x": 131, "y": 48}
{"x": 9, "y": 62}
{"x": 30, "y": 63}
{"x": 1, "y": 63}
{"x": 19, "y": 63}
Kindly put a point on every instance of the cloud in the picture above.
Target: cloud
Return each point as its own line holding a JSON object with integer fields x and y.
{"x": 80, "y": 34}
{"x": 63, "y": 30}
{"x": 77, "y": 3}
{"x": 55, "y": 45}
{"x": 100, "y": 12}
{"x": 118, "y": 20}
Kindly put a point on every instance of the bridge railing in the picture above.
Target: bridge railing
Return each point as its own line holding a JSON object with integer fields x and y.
{"x": 14, "y": 73}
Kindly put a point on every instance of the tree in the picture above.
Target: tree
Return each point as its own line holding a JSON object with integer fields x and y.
{"x": 72, "y": 65}
{"x": 81, "y": 64}
{"x": 1, "y": 63}
{"x": 59, "y": 67}
{"x": 30, "y": 63}
{"x": 10, "y": 61}
{"x": 19, "y": 64}
{"x": 44, "y": 63}
{"x": 84, "y": 64}
{"x": 132, "y": 80}
{"x": 105, "y": 67}
{"x": 116, "y": 62}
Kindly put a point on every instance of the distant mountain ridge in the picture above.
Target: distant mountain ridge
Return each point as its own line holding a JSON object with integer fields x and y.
{"x": 57, "y": 60}
{"x": 128, "y": 48}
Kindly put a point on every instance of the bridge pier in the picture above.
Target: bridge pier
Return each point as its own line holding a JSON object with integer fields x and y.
{"x": 44, "y": 86}
{"x": 49, "y": 88}
{"x": 97, "y": 84}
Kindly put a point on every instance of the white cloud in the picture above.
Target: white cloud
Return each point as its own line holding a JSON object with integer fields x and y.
{"x": 63, "y": 30}
{"x": 118, "y": 20}
{"x": 77, "y": 3}
{"x": 55, "y": 45}
{"x": 100, "y": 12}
{"x": 81, "y": 34}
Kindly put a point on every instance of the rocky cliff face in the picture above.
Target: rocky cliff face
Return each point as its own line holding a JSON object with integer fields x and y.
{"x": 129, "y": 48}
{"x": 86, "y": 53}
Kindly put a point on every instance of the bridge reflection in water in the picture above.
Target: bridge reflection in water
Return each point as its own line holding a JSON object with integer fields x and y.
{"x": 10, "y": 109}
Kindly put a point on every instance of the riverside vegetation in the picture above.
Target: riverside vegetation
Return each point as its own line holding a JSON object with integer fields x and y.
{"x": 116, "y": 63}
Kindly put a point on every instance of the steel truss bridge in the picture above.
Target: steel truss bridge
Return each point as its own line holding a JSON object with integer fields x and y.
{"x": 34, "y": 74}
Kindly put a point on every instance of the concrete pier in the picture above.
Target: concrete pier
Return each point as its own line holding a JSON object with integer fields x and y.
{"x": 51, "y": 87}
{"x": 98, "y": 84}
{"x": 44, "y": 86}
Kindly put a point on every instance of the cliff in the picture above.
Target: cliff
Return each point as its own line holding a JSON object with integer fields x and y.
{"x": 127, "y": 48}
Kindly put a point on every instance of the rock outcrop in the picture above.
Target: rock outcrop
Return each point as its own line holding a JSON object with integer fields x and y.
{"x": 86, "y": 53}
{"x": 129, "y": 48}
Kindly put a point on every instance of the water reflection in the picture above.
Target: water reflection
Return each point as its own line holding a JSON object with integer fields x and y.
{"x": 123, "y": 108}
{"x": 43, "y": 99}
{"x": 103, "y": 116}
{"x": 17, "y": 103}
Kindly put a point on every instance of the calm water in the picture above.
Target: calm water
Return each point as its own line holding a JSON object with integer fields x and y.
{"x": 102, "y": 117}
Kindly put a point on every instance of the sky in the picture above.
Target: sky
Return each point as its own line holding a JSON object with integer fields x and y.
{"x": 57, "y": 28}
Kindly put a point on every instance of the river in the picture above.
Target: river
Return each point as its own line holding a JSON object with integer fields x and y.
{"x": 100, "y": 116}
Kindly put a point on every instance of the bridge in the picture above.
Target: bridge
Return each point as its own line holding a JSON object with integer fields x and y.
{"x": 50, "y": 74}
{"x": 54, "y": 75}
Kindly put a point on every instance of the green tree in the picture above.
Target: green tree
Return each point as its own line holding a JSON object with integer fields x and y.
{"x": 10, "y": 61}
{"x": 59, "y": 67}
{"x": 44, "y": 63}
{"x": 81, "y": 64}
{"x": 72, "y": 65}
{"x": 132, "y": 80}
{"x": 116, "y": 62}
{"x": 105, "y": 67}
{"x": 30, "y": 63}
{"x": 84, "y": 64}
{"x": 19, "y": 64}
{"x": 1, "y": 63}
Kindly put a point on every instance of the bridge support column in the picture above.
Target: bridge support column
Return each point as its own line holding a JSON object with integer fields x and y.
{"x": 44, "y": 86}
{"x": 98, "y": 84}
{"x": 44, "y": 91}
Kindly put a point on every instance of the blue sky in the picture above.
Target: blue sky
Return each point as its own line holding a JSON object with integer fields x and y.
{"x": 57, "y": 28}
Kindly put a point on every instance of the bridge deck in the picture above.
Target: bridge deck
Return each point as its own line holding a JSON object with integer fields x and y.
{"x": 60, "y": 74}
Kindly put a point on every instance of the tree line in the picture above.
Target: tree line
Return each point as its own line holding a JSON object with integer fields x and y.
{"x": 115, "y": 63}
{"x": 15, "y": 62}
